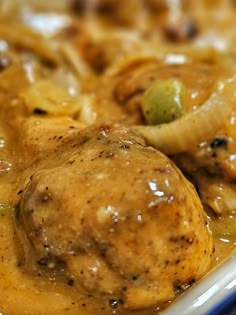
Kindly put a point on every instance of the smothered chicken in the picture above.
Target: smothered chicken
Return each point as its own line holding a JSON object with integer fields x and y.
{"x": 116, "y": 216}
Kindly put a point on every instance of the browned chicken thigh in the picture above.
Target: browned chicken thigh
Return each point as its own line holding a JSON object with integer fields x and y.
{"x": 113, "y": 217}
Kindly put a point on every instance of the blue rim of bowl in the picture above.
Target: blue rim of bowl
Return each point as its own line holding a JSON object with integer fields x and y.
{"x": 213, "y": 295}
{"x": 225, "y": 307}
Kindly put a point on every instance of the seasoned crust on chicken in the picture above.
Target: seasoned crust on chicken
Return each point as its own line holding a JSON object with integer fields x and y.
{"x": 115, "y": 216}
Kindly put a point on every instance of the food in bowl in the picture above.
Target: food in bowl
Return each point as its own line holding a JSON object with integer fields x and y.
{"x": 117, "y": 153}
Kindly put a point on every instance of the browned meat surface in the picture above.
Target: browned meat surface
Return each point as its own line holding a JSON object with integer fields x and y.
{"x": 115, "y": 217}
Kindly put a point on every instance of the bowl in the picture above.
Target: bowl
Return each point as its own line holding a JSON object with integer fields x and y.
{"x": 215, "y": 294}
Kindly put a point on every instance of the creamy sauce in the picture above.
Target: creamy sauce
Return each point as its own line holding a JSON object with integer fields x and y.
{"x": 106, "y": 64}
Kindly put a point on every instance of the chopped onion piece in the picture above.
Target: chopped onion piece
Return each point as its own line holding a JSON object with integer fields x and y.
{"x": 46, "y": 97}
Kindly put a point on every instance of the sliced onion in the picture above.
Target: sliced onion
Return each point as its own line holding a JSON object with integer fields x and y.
{"x": 46, "y": 96}
{"x": 185, "y": 133}
{"x": 75, "y": 61}
{"x": 31, "y": 40}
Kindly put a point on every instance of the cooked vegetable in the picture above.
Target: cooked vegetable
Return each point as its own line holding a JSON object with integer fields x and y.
{"x": 46, "y": 97}
{"x": 186, "y": 133}
{"x": 163, "y": 101}
{"x": 74, "y": 60}
{"x": 30, "y": 40}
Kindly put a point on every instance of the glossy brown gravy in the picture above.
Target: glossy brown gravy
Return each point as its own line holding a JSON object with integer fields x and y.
{"x": 118, "y": 97}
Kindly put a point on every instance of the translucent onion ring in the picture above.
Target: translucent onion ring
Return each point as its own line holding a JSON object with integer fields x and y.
{"x": 185, "y": 133}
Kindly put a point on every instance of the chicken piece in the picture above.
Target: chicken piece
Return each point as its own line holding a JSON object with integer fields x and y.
{"x": 35, "y": 143}
{"x": 115, "y": 217}
{"x": 212, "y": 169}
